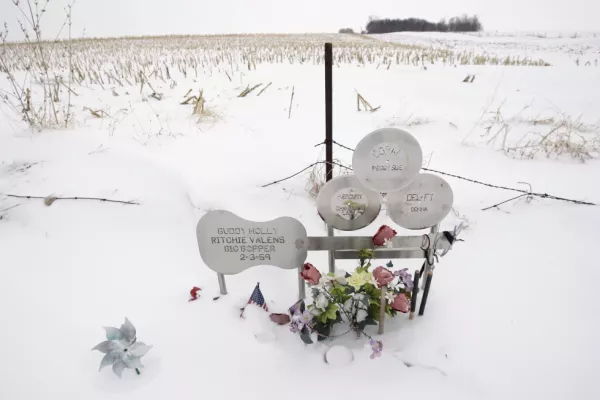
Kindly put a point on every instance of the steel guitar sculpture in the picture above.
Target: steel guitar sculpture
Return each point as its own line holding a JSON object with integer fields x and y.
{"x": 385, "y": 161}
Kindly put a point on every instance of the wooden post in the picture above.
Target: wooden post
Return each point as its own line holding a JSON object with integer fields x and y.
{"x": 382, "y": 309}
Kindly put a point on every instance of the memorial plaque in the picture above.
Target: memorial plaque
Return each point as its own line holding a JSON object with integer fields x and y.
{"x": 345, "y": 204}
{"x": 387, "y": 160}
{"x": 229, "y": 244}
{"x": 422, "y": 204}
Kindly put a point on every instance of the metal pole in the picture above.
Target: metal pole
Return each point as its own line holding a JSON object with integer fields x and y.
{"x": 429, "y": 254}
{"x": 331, "y": 253}
{"x": 301, "y": 287}
{"x": 328, "y": 112}
{"x": 329, "y": 133}
{"x": 222, "y": 286}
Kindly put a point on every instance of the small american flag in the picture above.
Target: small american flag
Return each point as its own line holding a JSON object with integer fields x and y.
{"x": 256, "y": 298}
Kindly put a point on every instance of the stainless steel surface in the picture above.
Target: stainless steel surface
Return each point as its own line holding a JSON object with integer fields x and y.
{"x": 330, "y": 256}
{"x": 322, "y": 243}
{"x": 387, "y": 160}
{"x": 429, "y": 254}
{"x": 222, "y": 286}
{"x": 346, "y": 204}
{"x": 229, "y": 244}
{"x": 426, "y": 201}
{"x": 381, "y": 254}
{"x": 301, "y": 285}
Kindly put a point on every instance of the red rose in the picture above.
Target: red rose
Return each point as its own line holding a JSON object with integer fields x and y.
{"x": 194, "y": 293}
{"x": 383, "y": 276}
{"x": 280, "y": 319}
{"x": 310, "y": 274}
{"x": 401, "y": 303}
{"x": 383, "y": 233}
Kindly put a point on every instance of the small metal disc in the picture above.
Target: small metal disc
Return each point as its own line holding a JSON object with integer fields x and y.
{"x": 422, "y": 204}
{"x": 345, "y": 204}
{"x": 387, "y": 160}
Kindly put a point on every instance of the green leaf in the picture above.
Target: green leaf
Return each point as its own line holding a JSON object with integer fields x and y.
{"x": 324, "y": 330}
{"x": 331, "y": 312}
{"x": 390, "y": 311}
{"x": 369, "y": 321}
{"x": 338, "y": 319}
{"x": 374, "y": 311}
{"x": 305, "y": 336}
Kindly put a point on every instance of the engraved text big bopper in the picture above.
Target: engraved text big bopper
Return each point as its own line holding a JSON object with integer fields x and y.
{"x": 387, "y": 160}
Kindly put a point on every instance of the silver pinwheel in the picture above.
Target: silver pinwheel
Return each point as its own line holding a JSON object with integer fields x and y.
{"x": 121, "y": 349}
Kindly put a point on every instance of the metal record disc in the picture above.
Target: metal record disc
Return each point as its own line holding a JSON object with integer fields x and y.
{"x": 387, "y": 160}
{"x": 425, "y": 202}
{"x": 345, "y": 204}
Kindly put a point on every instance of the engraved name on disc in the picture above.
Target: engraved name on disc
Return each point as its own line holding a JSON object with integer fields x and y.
{"x": 425, "y": 202}
{"x": 387, "y": 160}
{"x": 230, "y": 244}
{"x": 345, "y": 204}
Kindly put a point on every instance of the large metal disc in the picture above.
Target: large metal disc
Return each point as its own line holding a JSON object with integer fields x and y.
{"x": 387, "y": 160}
{"x": 422, "y": 204}
{"x": 345, "y": 204}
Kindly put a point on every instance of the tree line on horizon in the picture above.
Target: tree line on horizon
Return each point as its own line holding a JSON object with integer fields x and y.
{"x": 463, "y": 23}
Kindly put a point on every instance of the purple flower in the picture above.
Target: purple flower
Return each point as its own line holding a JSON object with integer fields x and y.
{"x": 377, "y": 347}
{"x": 300, "y": 320}
{"x": 406, "y": 278}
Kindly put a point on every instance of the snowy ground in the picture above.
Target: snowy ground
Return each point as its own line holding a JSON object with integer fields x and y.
{"x": 513, "y": 312}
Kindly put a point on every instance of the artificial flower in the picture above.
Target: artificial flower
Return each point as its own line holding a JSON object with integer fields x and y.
{"x": 195, "y": 293}
{"x": 406, "y": 278}
{"x": 376, "y": 347}
{"x": 321, "y": 302}
{"x": 401, "y": 303}
{"x": 383, "y": 276}
{"x": 390, "y": 296}
{"x": 300, "y": 320}
{"x": 280, "y": 319}
{"x": 357, "y": 279}
{"x": 338, "y": 277}
{"x": 383, "y": 233}
{"x": 311, "y": 274}
{"x": 361, "y": 315}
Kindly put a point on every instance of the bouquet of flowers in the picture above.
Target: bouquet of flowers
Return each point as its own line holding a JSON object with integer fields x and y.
{"x": 353, "y": 299}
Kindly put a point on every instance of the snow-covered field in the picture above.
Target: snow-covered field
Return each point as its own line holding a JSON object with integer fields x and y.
{"x": 513, "y": 312}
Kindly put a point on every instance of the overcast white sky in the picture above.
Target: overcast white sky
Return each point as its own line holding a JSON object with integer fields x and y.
{"x": 156, "y": 17}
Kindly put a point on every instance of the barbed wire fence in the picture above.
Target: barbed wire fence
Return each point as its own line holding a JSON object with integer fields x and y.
{"x": 523, "y": 193}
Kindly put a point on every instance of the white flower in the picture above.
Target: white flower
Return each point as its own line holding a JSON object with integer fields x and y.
{"x": 358, "y": 296}
{"x": 321, "y": 302}
{"x": 390, "y": 296}
{"x": 361, "y": 315}
{"x": 388, "y": 243}
{"x": 338, "y": 277}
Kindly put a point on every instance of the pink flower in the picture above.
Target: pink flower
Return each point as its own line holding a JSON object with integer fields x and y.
{"x": 383, "y": 233}
{"x": 401, "y": 303}
{"x": 310, "y": 274}
{"x": 194, "y": 293}
{"x": 383, "y": 276}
